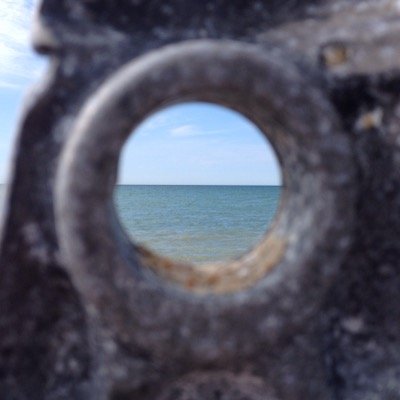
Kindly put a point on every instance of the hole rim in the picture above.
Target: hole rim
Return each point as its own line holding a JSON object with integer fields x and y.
{"x": 293, "y": 288}
{"x": 217, "y": 277}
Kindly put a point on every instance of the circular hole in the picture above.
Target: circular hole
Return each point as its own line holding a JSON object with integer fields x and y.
{"x": 198, "y": 183}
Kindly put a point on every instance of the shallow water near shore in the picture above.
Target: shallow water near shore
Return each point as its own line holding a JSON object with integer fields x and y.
{"x": 197, "y": 223}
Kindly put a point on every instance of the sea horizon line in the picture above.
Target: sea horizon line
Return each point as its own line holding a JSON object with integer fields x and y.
{"x": 189, "y": 184}
{"x": 180, "y": 184}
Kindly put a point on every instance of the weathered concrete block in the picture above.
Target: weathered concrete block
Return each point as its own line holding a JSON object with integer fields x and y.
{"x": 312, "y": 312}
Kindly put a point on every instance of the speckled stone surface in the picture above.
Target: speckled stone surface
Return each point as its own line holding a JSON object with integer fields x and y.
{"x": 312, "y": 313}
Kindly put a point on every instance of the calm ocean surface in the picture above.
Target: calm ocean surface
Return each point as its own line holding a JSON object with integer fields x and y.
{"x": 196, "y": 223}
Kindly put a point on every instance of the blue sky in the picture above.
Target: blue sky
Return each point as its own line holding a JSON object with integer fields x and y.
{"x": 19, "y": 68}
{"x": 198, "y": 143}
{"x": 192, "y": 143}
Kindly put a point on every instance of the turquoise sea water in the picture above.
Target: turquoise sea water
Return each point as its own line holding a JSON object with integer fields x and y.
{"x": 2, "y": 195}
{"x": 195, "y": 223}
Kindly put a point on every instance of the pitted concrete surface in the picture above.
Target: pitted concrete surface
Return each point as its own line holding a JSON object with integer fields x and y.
{"x": 316, "y": 316}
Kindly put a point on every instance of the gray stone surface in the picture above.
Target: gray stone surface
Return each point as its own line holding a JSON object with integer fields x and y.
{"x": 312, "y": 312}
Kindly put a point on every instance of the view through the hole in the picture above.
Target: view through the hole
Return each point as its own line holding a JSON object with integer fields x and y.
{"x": 198, "y": 183}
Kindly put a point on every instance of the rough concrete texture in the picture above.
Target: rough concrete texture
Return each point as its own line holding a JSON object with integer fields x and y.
{"x": 312, "y": 312}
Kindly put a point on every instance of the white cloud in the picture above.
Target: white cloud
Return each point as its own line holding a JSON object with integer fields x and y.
{"x": 9, "y": 85}
{"x": 189, "y": 130}
{"x": 154, "y": 123}
{"x": 17, "y": 61}
{"x": 185, "y": 130}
